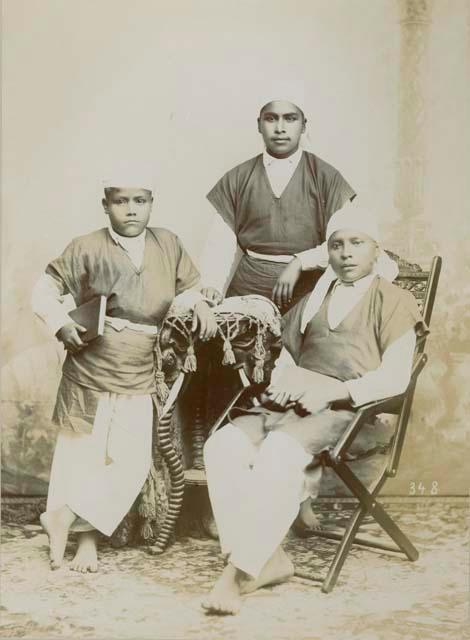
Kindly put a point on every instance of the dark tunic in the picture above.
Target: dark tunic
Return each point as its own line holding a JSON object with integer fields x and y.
{"x": 262, "y": 222}
{"x": 118, "y": 361}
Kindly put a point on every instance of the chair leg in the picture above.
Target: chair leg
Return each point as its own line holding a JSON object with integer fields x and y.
{"x": 373, "y": 507}
{"x": 343, "y": 549}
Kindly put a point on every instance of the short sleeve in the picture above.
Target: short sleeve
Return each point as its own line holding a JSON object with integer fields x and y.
{"x": 187, "y": 275}
{"x": 67, "y": 270}
{"x": 337, "y": 192}
{"x": 400, "y": 313}
{"x": 223, "y": 197}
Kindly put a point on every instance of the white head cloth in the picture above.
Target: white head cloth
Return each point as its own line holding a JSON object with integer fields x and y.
{"x": 130, "y": 176}
{"x": 355, "y": 218}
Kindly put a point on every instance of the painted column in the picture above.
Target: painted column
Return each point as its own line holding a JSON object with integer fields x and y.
{"x": 415, "y": 19}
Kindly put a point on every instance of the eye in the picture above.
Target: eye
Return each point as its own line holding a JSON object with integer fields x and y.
{"x": 357, "y": 242}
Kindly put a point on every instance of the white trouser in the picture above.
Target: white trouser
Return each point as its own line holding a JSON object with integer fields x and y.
{"x": 99, "y": 475}
{"x": 254, "y": 491}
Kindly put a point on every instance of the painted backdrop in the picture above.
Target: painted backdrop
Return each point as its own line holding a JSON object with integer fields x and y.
{"x": 385, "y": 87}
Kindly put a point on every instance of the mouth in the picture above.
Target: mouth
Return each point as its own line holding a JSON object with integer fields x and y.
{"x": 349, "y": 266}
{"x": 281, "y": 139}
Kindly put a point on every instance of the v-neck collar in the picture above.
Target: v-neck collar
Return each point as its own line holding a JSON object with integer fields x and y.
{"x": 141, "y": 239}
{"x": 354, "y": 308}
{"x": 266, "y": 177}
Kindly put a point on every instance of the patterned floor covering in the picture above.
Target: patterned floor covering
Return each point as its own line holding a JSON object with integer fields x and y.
{"x": 379, "y": 596}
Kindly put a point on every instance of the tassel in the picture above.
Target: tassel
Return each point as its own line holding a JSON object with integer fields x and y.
{"x": 258, "y": 372}
{"x": 108, "y": 460}
{"x": 144, "y": 509}
{"x": 148, "y": 500}
{"x": 162, "y": 388}
{"x": 259, "y": 354}
{"x": 190, "y": 364}
{"x": 229, "y": 356}
{"x": 146, "y": 531}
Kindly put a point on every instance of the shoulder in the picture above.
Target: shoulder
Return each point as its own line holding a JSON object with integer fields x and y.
{"x": 165, "y": 238}
{"x": 163, "y": 235}
{"x": 323, "y": 168}
{"x": 293, "y": 317}
{"x": 89, "y": 240}
{"x": 391, "y": 295}
{"x": 244, "y": 168}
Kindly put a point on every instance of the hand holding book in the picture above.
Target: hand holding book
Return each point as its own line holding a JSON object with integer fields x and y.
{"x": 69, "y": 335}
{"x": 87, "y": 324}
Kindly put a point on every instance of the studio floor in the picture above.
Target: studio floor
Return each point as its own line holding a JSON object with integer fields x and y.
{"x": 134, "y": 596}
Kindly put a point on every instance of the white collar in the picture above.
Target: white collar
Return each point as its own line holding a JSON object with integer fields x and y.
{"x": 294, "y": 159}
{"x": 128, "y": 243}
{"x": 360, "y": 285}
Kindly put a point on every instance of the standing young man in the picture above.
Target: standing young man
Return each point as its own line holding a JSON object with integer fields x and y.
{"x": 272, "y": 214}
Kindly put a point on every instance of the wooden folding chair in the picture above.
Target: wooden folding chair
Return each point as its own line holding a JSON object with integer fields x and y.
{"x": 423, "y": 285}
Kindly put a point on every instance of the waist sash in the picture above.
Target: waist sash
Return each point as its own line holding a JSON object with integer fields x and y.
{"x": 118, "y": 362}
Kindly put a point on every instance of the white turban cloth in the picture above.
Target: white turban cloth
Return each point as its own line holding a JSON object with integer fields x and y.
{"x": 354, "y": 218}
{"x": 129, "y": 176}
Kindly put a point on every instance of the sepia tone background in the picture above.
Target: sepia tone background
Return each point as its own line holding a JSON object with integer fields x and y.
{"x": 385, "y": 86}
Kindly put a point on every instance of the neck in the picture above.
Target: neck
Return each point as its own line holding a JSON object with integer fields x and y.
{"x": 281, "y": 156}
{"x": 127, "y": 237}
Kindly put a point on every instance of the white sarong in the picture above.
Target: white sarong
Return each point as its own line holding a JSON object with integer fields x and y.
{"x": 98, "y": 475}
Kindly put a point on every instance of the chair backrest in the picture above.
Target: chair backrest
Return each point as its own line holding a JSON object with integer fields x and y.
{"x": 423, "y": 285}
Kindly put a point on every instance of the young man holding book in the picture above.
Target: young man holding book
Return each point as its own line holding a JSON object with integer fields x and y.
{"x": 104, "y": 404}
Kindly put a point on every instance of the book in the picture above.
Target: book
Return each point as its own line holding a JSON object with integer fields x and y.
{"x": 90, "y": 315}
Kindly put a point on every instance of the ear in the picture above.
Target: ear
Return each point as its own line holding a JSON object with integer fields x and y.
{"x": 104, "y": 202}
{"x": 259, "y": 125}
{"x": 304, "y": 126}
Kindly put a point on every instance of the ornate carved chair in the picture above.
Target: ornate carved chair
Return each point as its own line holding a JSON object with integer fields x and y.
{"x": 423, "y": 285}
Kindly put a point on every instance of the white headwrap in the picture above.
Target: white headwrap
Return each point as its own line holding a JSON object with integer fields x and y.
{"x": 355, "y": 218}
{"x": 130, "y": 176}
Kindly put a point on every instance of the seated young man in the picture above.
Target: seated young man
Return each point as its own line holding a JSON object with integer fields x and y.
{"x": 348, "y": 343}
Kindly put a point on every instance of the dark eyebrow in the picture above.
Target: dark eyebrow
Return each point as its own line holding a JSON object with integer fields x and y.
{"x": 284, "y": 115}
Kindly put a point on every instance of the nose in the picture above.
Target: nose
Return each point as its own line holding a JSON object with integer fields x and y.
{"x": 280, "y": 127}
{"x": 131, "y": 209}
{"x": 346, "y": 251}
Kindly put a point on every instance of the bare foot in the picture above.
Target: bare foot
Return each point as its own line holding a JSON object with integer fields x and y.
{"x": 306, "y": 522}
{"x": 225, "y": 597}
{"x": 86, "y": 558}
{"x": 57, "y": 524}
{"x": 279, "y": 568}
